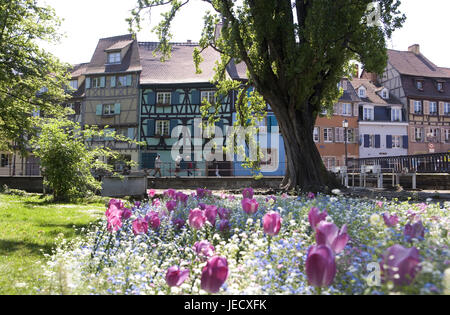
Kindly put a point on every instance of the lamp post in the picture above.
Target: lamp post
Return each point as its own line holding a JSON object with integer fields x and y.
{"x": 345, "y": 125}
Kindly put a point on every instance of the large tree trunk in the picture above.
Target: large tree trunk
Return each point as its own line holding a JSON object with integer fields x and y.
{"x": 305, "y": 170}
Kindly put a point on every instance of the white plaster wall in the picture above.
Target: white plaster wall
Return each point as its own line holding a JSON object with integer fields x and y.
{"x": 383, "y": 130}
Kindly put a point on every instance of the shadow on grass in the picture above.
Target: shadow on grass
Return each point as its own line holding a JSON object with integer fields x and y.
{"x": 68, "y": 229}
{"x": 8, "y": 247}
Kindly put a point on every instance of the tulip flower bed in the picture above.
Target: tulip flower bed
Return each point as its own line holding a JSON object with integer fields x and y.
{"x": 202, "y": 243}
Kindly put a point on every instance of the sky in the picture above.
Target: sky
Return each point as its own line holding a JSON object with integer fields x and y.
{"x": 86, "y": 21}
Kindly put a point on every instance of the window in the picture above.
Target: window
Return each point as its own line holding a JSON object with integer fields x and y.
{"x": 316, "y": 134}
{"x": 346, "y": 109}
{"x": 350, "y": 135}
{"x": 108, "y": 109}
{"x": 123, "y": 80}
{"x": 328, "y": 135}
{"x": 419, "y": 85}
{"x": 446, "y": 108}
{"x": 433, "y": 108}
{"x": 418, "y": 134}
{"x": 96, "y": 82}
{"x": 440, "y": 86}
{"x": 114, "y": 57}
{"x": 4, "y": 160}
{"x": 329, "y": 162}
{"x": 447, "y": 135}
{"x": 162, "y": 127}
{"x": 396, "y": 142}
{"x": 371, "y": 141}
{"x": 163, "y": 98}
{"x": 208, "y": 96}
{"x": 368, "y": 113}
{"x": 73, "y": 84}
{"x": 385, "y": 94}
{"x": 362, "y": 92}
{"x": 396, "y": 114}
{"x": 417, "y": 107}
{"x": 433, "y": 135}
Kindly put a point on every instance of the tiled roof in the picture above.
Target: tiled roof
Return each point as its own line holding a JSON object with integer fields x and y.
{"x": 130, "y": 62}
{"x": 179, "y": 68}
{"x": 409, "y": 63}
{"x": 119, "y": 45}
{"x": 371, "y": 93}
{"x": 78, "y": 70}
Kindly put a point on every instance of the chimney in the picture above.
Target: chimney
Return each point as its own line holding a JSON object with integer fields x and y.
{"x": 414, "y": 49}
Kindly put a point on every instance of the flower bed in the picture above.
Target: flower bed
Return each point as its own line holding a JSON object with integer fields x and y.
{"x": 203, "y": 243}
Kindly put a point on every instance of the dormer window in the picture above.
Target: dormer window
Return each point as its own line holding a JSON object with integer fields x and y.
{"x": 440, "y": 86}
{"x": 419, "y": 85}
{"x": 113, "y": 57}
{"x": 362, "y": 92}
{"x": 385, "y": 94}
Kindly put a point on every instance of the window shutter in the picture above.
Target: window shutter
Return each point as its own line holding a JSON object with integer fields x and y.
{"x": 129, "y": 79}
{"x": 102, "y": 82}
{"x": 405, "y": 142}
{"x": 366, "y": 141}
{"x": 175, "y": 98}
{"x": 269, "y": 124}
{"x": 151, "y": 98}
{"x": 113, "y": 81}
{"x": 117, "y": 109}
{"x": 195, "y": 97}
{"x": 355, "y": 135}
{"x": 150, "y": 127}
{"x": 131, "y": 133}
{"x": 426, "y": 107}
{"x": 173, "y": 124}
{"x": 148, "y": 160}
{"x": 377, "y": 141}
{"x": 411, "y": 106}
{"x": 441, "y": 108}
{"x": 337, "y": 134}
{"x": 355, "y": 110}
{"x": 273, "y": 121}
{"x": 389, "y": 141}
{"x": 99, "y": 110}
{"x": 88, "y": 83}
{"x": 412, "y": 134}
{"x": 443, "y": 135}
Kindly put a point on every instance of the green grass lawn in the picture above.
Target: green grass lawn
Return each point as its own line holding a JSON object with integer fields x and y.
{"x": 29, "y": 227}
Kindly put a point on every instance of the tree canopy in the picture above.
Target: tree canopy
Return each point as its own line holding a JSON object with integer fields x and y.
{"x": 31, "y": 79}
{"x": 295, "y": 52}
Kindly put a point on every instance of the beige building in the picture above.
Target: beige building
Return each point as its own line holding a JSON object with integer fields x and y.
{"x": 112, "y": 92}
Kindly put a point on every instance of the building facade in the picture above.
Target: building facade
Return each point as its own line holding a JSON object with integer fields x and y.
{"x": 383, "y": 129}
{"x": 329, "y": 133}
{"x": 424, "y": 90}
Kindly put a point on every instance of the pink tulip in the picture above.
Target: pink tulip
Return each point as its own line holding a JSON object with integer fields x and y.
{"x": 181, "y": 197}
{"x": 114, "y": 223}
{"x": 170, "y": 193}
{"x": 151, "y": 193}
{"x": 379, "y": 204}
{"x": 248, "y": 193}
{"x": 171, "y": 205}
{"x": 126, "y": 213}
{"x": 202, "y": 193}
{"x": 416, "y": 230}
{"x": 211, "y": 214}
{"x": 250, "y": 206}
{"x": 320, "y": 266}
{"x": 202, "y": 206}
{"x": 204, "y": 249}
{"x": 315, "y": 216}
{"x": 311, "y": 195}
{"x": 140, "y": 226}
{"x": 214, "y": 274}
{"x": 153, "y": 220}
{"x": 224, "y": 214}
{"x": 156, "y": 203}
{"x": 176, "y": 276}
{"x": 400, "y": 264}
{"x": 197, "y": 218}
{"x": 224, "y": 225}
{"x": 390, "y": 220}
{"x": 329, "y": 234}
{"x": 115, "y": 202}
{"x": 272, "y": 223}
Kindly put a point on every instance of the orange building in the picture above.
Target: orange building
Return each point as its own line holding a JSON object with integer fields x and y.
{"x": 329, "y": 133}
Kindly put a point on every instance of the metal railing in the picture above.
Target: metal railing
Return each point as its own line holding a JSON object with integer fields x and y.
{"x": 423, "y": 163}
{"x": 20, "y": 169}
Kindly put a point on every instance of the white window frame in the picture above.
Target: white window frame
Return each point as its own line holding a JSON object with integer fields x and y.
{"x": 121, "y": 80}
{"x": 385, "y": 94}
{"x": 114, "y": 58}
{"x": 350, "y": 135}
{"x": 446, "y": 108}
{"x": 396, "y": 114}
{"x": 418, "y": 108}
{"x": 346, "y": 109}
{"x": 368, "y": 113}
{"x": 327, "y": 134}
{"x": 162, "y": 128}
{"x": 440, "y": 86}
{"x": 210, "y": 96}
{"x": 73, "y": 84}
{"x": 447, "y": 135}
{"x": 166, "y": 98}
{"x": 396, "y": 142}
{"x": 95, "y": 82}
{"x": 418, "y": 134}
{"x": 435, "y": 108}
{"x": 362, "y": 92}
{"x": 108, "y": 110}
{"x": 316, "y": 134}
{"x": 419, "y": 85}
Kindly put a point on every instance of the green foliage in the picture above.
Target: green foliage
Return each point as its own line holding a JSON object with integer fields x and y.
{"x": 68, "y": 157}
{"x": 25, "y": 69}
